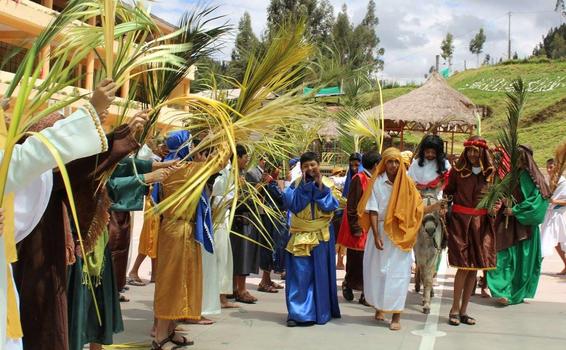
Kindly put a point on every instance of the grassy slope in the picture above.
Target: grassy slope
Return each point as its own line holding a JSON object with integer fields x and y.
{"x": 543, "y": 136}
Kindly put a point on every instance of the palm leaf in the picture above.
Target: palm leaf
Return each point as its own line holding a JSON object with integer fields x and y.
{"x": 508, "y": 138}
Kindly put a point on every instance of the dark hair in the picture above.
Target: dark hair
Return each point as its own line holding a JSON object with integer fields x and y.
{"x": 241, "y": 151}
{"x": 355, "y": 156}
{"x": 436, "y": 143}
{"x": 550, "y": 161}
{"x": 309, "y": 156}
{"x": 370, "y": 159}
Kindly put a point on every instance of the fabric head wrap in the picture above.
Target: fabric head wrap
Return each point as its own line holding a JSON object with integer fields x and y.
{"x": 464, "y": 167}
{"x": 531, "y": 167}
{"x": 407, "y": 157}
{"x": 177, "y": 143}
{"x": 405, "y": 211}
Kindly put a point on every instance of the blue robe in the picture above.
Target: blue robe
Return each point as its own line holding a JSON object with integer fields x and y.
{"x": 311, "y": 292}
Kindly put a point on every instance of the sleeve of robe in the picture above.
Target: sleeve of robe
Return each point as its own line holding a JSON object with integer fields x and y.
{"x": 297, "y": 198}
{"x": 373, "y": 202}
{"x": 354, "y": 197}
{"x": 532, "y": 209}
{"x": 450, "y": 187}
{"x": 324, "y": 198}
{"x": 127, "y": 190}
{"x": 77, "y": 136}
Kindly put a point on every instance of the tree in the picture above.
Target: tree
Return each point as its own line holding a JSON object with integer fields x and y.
{"x": 360, "y": 45}
{"x": 343, "y": 33}
{"x": 476, "y": 44}
{"x": 246, "y": 43}
{"x": 546, "y": 47}
{"x": 515, "y": 56}
{"x": 318, "y": 14}
{"x": 558, "y": 47}
{"x": 447, "y": 48}
{"x": 486, "y": 59}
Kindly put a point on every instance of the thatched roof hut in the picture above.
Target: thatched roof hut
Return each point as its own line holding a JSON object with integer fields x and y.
{"x": 433, "y": 107}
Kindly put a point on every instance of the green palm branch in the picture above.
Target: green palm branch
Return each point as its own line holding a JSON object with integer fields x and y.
{"x": 508, "y": 138}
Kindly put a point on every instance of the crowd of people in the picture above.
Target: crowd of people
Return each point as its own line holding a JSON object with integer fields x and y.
{"x": 299, "y": 224}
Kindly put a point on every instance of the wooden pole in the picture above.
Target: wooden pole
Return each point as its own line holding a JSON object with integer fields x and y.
{"x": 402, "y": 145}
{"x": 452, "y": 146}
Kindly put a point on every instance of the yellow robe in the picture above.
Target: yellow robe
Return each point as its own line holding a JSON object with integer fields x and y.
{"x": 178, "y": 283}
{"x": 148, "y": 236}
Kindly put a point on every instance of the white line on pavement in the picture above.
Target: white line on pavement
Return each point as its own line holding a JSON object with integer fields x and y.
{"x": 430, "y": 331}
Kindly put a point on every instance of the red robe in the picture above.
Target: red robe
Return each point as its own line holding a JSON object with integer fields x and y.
{"x": 350, "y": 223}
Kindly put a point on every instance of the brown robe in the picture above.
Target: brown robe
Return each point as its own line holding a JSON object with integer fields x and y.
{"x": 354, "y": 278}
{"x": 119, "y": 243}
{"x": 471, "y": 238}
{"x": 41, "y": 270}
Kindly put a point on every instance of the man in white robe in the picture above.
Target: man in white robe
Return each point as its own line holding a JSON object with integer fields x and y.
{"x": 30, "y": 178}
{"x": 393, "y": 210}
{"x": 223, "y": 193}
{"x": 553, "y": 231}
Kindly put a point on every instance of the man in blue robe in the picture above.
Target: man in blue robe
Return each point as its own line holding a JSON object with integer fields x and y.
{"x": 311, "y": 293}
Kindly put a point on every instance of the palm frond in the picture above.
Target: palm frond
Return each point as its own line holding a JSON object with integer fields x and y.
{"x": 508, "y": 139}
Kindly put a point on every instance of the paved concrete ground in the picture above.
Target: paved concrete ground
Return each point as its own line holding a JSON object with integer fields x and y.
{"x": 538, "y": 324}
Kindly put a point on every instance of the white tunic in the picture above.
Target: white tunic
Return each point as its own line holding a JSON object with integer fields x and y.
{"x": 427, "y": 173}
{"x": 77, "y": 136}
{"x": 222, "y": 193}
{"x": 553, "y": 230}
{"x": 387, "y": 272}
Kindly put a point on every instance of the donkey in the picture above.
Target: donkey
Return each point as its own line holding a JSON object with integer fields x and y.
{"x": 428, "y": 248}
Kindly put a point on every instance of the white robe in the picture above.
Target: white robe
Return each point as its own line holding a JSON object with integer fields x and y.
{"x": 427, "y": 173}
{"x": 223, "y": 194}
{"x": 553, "y": 230}
{"x": 387, "y": 272}
{"x": 30, "y": 178}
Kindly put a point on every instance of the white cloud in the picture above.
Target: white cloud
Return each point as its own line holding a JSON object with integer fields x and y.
{"x": 411, "y": 30}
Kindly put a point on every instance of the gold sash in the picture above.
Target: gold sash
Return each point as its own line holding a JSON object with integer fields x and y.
{"x": 307, "y": 234}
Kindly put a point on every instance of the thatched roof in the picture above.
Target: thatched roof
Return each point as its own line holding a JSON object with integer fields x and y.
{"x": 434, "y": 103}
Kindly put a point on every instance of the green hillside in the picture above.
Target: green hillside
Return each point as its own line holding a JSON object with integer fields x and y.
{"x": 543, "y": 124}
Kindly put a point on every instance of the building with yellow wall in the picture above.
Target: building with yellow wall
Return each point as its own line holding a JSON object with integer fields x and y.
{"x": 21, "y": 21}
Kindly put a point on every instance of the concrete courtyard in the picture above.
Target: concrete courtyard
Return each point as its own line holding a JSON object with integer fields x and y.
{"x": 538, "y": 324}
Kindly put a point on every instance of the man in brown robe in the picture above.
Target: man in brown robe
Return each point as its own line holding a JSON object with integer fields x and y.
{"x": 471, "y": 237}
{"x": 41, "y": 272}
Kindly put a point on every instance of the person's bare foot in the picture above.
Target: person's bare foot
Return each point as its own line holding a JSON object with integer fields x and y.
{"x": 203, "y": 321}
{"x": 395, "y": 326}
{"x": 379, "y": 316}
{"x": 502, "y": 301}
{"x": 484, "y": 293}
{"x": 229, "y": 305}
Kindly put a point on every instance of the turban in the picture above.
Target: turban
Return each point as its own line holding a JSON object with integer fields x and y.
{"x": 405, "y": 211}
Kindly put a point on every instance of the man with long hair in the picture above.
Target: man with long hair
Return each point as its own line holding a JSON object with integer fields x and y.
{"x": 518, "y": 236}
{"x": 471, "y": 238}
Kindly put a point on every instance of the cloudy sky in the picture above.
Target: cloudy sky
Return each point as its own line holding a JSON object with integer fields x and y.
{"x": 411, "y": 30}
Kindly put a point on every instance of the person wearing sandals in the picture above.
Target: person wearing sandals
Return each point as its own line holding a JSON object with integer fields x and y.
{"x": 392, "y": 207}
{"x": 311, "y": 293}
{"x": 245, "y": 253}
{"x": 275, "y": 227}
{"x": 470, "y": 233}
{"x": 179, "y": 282}
{"x": 519, "y": 256}
{"x": 351, "y": 234}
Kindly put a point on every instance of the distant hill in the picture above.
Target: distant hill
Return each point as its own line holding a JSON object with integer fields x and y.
{"x": 543, "y": 125}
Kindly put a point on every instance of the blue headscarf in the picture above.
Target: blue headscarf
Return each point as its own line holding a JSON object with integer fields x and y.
{"x": 203, "y": 223}
{"x": 174, "y": 141}
{"x": 350, "y": 175}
